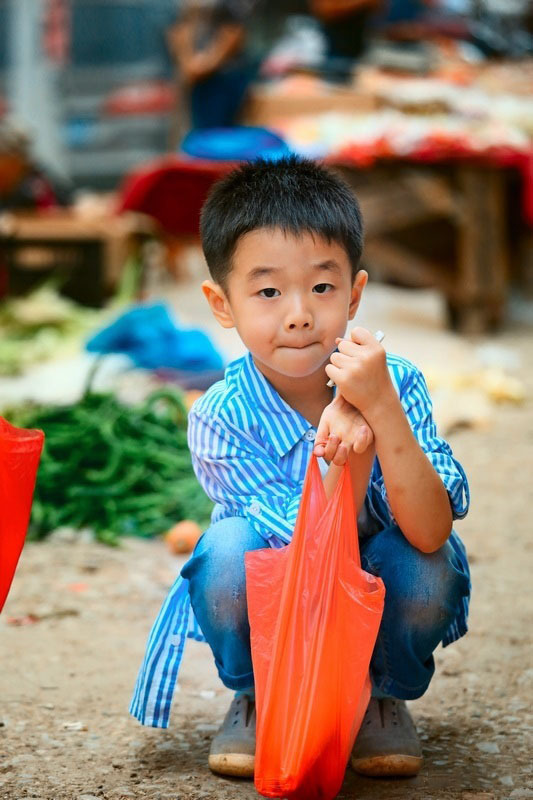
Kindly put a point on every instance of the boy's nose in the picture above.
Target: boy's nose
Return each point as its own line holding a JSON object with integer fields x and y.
{"x": 298, "y": 318}
{"x": 293, "y": 325}
{"x": 299, "y": 322}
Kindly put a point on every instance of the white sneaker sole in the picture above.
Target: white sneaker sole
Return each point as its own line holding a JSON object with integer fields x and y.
{"x": 238, "y": 765}
{"x": 387, "y": 766}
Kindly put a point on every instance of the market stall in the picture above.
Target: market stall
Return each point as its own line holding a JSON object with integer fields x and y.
{"x": 90, "y": 250}
{"x": 421, "y": 147}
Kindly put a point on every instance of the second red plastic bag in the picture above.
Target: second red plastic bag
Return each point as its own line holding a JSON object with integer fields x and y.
{"x": 20, "y": 451}
{"x": 314, "y": 617}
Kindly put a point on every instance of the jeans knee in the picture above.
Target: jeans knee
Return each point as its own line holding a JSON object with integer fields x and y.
{"x": 433, "y": 601}
{"x": 224, "y": 542}
{"x": 423, "y": 589}
{"x": 216, "y": 571}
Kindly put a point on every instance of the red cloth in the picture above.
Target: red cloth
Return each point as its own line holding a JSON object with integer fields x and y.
{"x": 172, "y": 190}
{"x": 141, "y": 97}
{"x": 20, "y": 451}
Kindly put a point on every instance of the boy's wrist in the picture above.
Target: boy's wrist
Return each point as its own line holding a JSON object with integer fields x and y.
{"x": 380, "y": 412}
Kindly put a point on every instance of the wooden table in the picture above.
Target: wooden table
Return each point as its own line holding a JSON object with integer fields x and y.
{"x": 472, "y": 198}
{"x": 88, "y": 254}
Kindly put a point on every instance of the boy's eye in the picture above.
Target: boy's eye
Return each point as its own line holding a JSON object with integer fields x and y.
{"x": 322, "y": 288}
{"x": 269, "y": 292}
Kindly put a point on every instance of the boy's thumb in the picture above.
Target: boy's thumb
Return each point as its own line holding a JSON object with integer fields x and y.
{"x": 321, "y": 440}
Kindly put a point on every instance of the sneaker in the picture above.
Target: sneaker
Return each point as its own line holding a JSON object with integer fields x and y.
{"x": 387, "y": 744}
{"x": 233, "y": 748}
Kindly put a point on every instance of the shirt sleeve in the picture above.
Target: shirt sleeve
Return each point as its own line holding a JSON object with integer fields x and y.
{"x": 237, "y": 473}
{"x": 418, "y": 407}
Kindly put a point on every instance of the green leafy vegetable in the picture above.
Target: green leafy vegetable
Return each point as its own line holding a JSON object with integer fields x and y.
{"x": 117, "y": 469}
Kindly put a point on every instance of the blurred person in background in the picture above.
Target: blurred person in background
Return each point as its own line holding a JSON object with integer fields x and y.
{"x": 345, "y": 24}
{"x": 350, "y": 25}
{"x": 24, "y": 184}
{"x": 208, "y": 45}
{"x": 498, "y": 28}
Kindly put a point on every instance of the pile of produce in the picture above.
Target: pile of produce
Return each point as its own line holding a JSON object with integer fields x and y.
{"x": 483, "y": 111}
{"x": 40, "y": 326}
{"x": 389, "y": 133}
{"x": 113, "y": 468}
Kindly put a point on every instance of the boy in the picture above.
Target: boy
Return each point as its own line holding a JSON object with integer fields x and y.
{"x": 283, "y": 243}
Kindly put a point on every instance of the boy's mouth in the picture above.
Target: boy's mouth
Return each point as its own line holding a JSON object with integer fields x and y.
{"x": 297, "y": 346}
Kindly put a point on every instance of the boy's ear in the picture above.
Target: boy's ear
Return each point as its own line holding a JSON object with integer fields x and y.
{"x": 361, "y": 280}
{"x": 216, "y": 297}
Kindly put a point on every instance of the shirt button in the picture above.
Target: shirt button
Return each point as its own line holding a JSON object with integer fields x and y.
{"x": 175, "y": 640}
{"x": 310, "y": 435}
{"x": 255, "y": 509}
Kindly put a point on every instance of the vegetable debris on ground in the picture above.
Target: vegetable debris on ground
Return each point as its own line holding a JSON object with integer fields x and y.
{"x": 40, "y": 326}
{"x": 116, "y": 469}
{"x": 44, "y": 324}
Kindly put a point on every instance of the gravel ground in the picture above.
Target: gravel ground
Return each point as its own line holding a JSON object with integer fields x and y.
{"x": 66, "y": 679}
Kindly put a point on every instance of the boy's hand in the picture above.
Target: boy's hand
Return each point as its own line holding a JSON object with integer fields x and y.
{"x": 360, "y": 372}
{"x": 341, "y": 429}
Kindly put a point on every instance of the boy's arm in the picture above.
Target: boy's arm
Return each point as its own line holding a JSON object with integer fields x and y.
{"x": 418, "y": 499}
{"x": 417, "y": 496}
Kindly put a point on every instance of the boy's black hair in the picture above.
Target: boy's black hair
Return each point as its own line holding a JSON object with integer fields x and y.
{"x": 294, "y": 194}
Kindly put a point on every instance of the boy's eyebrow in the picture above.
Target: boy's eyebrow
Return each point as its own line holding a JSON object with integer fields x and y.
{"x": 262, "y": 272}
{"x": 328, "y": 266}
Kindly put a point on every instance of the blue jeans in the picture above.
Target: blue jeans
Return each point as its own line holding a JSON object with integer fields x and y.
{"x": 423, "y": 597}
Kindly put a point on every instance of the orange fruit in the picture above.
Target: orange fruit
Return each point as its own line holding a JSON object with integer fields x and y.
{"x": 182, "y": 537}
{"x": 191, "y": 396}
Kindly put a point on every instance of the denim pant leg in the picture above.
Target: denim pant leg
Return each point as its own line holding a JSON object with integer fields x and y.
{"x": 423, "y": 593}
{"x": 217, "y": 588}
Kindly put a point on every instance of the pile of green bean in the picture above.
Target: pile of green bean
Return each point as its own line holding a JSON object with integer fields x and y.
{"x": 116, "y": 469}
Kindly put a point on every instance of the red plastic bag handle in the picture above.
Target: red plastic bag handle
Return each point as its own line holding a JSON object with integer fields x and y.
{"x": 314, "y": 484}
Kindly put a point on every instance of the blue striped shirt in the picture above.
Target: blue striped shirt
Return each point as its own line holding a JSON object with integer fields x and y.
{"x": 250, "y": 452}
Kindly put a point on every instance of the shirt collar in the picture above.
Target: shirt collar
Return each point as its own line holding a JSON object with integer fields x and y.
{"x": 284, "y": 424}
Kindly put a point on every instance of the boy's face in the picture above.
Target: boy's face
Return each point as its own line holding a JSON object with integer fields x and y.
{"x": 289, "y": 297}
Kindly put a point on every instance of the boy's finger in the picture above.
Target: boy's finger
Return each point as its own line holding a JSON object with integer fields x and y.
{"x": 339, "y": 359}
{"x": 359, "y": 444}
{"x": 361, "y": 336}
{"x": 321, "y": 438}
{"x": 342, "y": 361}
{"x": 334, "y": 373}
{"x": 331, "y": 447}
{"x": 347, "y": 348}
{"x": 341, "y": 455}
{"x": 363, "y": 439}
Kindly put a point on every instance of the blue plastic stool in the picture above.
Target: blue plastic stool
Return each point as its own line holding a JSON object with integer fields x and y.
{"x": 240, "y": 143}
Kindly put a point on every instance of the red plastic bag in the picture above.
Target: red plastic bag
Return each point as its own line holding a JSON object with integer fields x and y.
{"x": 314, "y": 617}
{"x": 20, "y": 451}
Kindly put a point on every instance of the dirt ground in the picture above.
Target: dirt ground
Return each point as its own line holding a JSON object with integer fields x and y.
{"x": 66, "y": 680}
